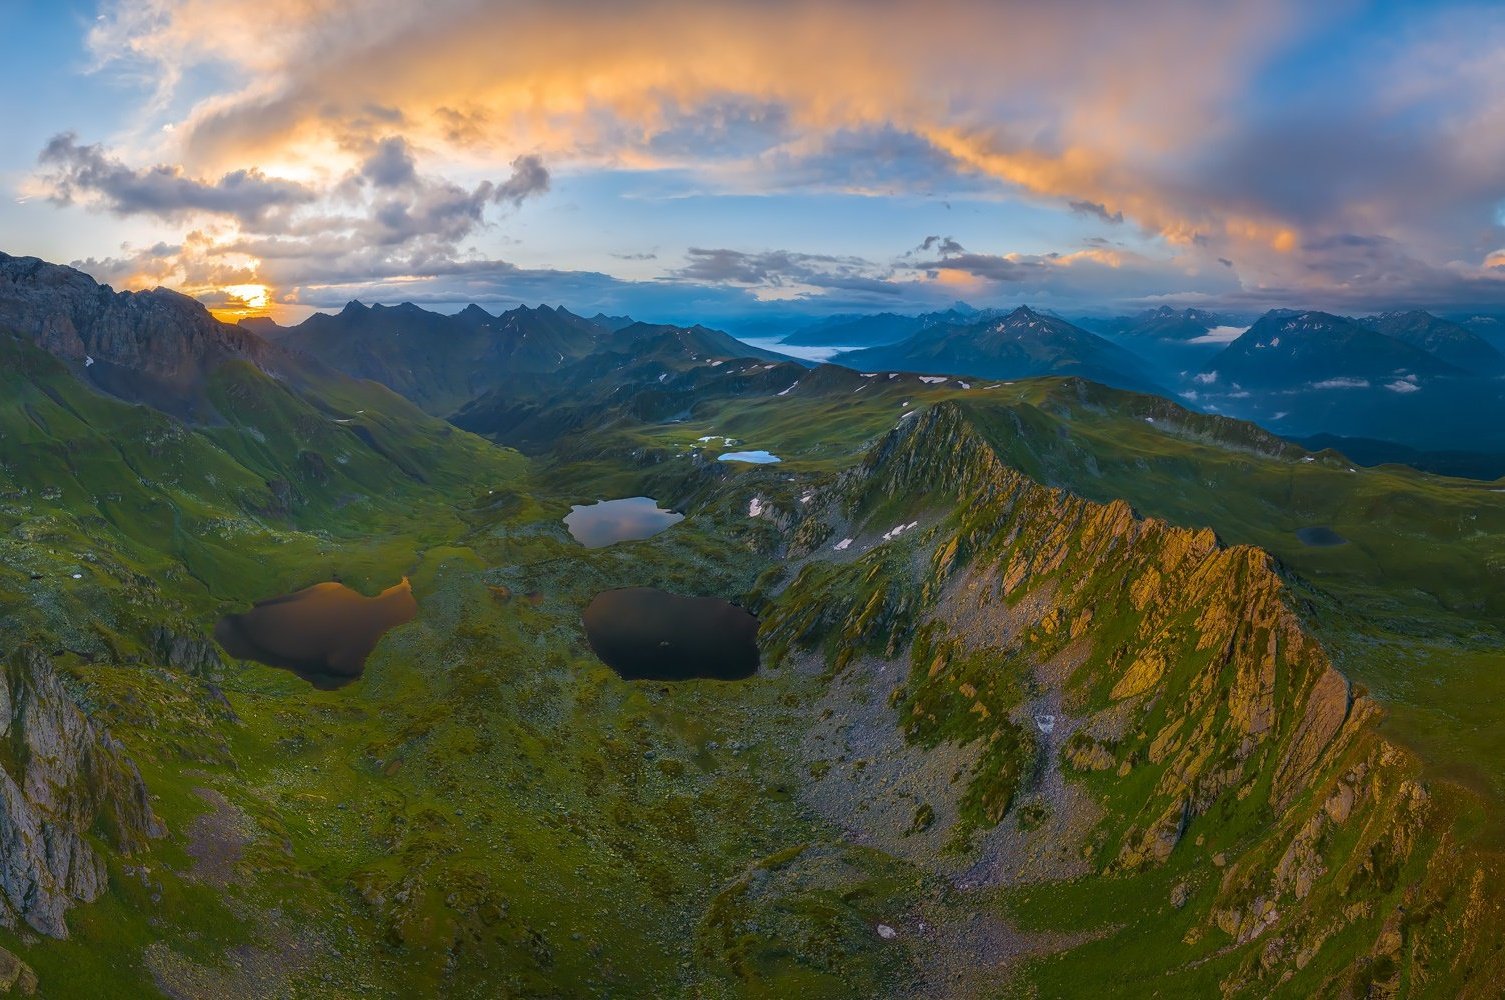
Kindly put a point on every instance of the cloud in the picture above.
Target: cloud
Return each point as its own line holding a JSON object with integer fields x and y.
{"x": 529, "y": 178}
{"x": 1380, "y": 187}
{"x": 88, "y": 173}
{"x": 784, "y": 273}
{"x": 1097, "y": 209}
{"x": 391, "y": 164}
{"x": 1219, "y": 335}
{"x": 943, "y": 245}
{"x": 384, "y": 216}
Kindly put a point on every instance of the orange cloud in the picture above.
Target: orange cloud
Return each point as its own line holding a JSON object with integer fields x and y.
{"x": 597, "y": 82}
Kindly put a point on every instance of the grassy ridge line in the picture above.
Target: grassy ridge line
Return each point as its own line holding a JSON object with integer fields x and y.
{"x": 1410, "y": 606}
{"x": 1198, "y": 691}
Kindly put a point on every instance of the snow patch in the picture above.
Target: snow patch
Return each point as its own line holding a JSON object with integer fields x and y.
{"x": 755, "y": 508}
{"x": 898, "y": 530}
{"x": 788, "y": 390}
{"x": 932, "y": 379}
{"x": 842, "y": 545}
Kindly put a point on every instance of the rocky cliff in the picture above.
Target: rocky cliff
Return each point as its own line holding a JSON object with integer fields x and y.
{"x": 65, "y": 786}
{"x": 1171, "y": 678}
{"x": 152, "y": 347}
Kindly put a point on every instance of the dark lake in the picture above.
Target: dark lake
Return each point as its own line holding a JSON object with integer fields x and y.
{"x": 608, "y": 521}
{"x": 648, "y": 634}
{"x": 323, "y": 633}
{"x": 1320, "y": 537}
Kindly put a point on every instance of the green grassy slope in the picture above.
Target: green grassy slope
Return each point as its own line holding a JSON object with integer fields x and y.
{"x": 490, "y": 811}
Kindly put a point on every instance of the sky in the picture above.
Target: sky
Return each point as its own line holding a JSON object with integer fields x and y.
{"x": 689, "y": 160}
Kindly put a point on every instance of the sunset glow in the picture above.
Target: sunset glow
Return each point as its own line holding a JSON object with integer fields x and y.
{"x": 248, "y": 298}
{"x": 703, "y": 159}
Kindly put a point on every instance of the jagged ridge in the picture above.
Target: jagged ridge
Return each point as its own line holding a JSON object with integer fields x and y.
{"x": 1182, "y": 668}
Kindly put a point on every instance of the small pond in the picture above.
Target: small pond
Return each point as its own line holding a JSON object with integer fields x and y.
{"x": 1320, "y": 537}
{"x": 607, "y": 521}
{"x": 323, "y": 633}
{"x": 755, "y": 457}
{"x": 648, "y": 634}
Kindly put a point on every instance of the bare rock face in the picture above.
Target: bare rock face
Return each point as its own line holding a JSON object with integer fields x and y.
{"x": 194, "y": 655}
{"x": 152, "y": 347}
{"x": 60, "y": 779}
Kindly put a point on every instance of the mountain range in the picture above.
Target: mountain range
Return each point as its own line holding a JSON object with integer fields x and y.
{"x": 442, "y": 362}
{"x": 1060, "y": 683}
{"x": 1021, "y": 344}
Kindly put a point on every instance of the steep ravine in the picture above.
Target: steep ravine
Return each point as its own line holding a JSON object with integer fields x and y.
{"x": 1207, "y": 728}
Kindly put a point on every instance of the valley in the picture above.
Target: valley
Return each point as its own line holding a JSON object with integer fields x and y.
{"x": 1052, "y": 683}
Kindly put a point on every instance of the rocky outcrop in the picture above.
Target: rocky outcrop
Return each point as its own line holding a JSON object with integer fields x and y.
{"x": 75, "y": 318}
{"x": 193, "y": 655}
{"x": 16, "y": 977}
{"x": 62, "y": 782}
{"x": 155, "y": 347}
{"x": 1206, "y": 709}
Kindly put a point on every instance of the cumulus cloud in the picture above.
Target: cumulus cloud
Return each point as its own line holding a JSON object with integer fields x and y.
{"x": 529, "y": 178}
{"x": 391, "y": 164}
{"x": 381, "y": 218}
{"x": 89, "y": 173}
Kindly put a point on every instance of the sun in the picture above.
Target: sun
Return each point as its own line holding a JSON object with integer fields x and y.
{"x": 252, "y": 298}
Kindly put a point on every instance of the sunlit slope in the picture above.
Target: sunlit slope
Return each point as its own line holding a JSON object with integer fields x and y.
{"x": 1411, "y": 605}
{"x": 1166, "y": 763}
